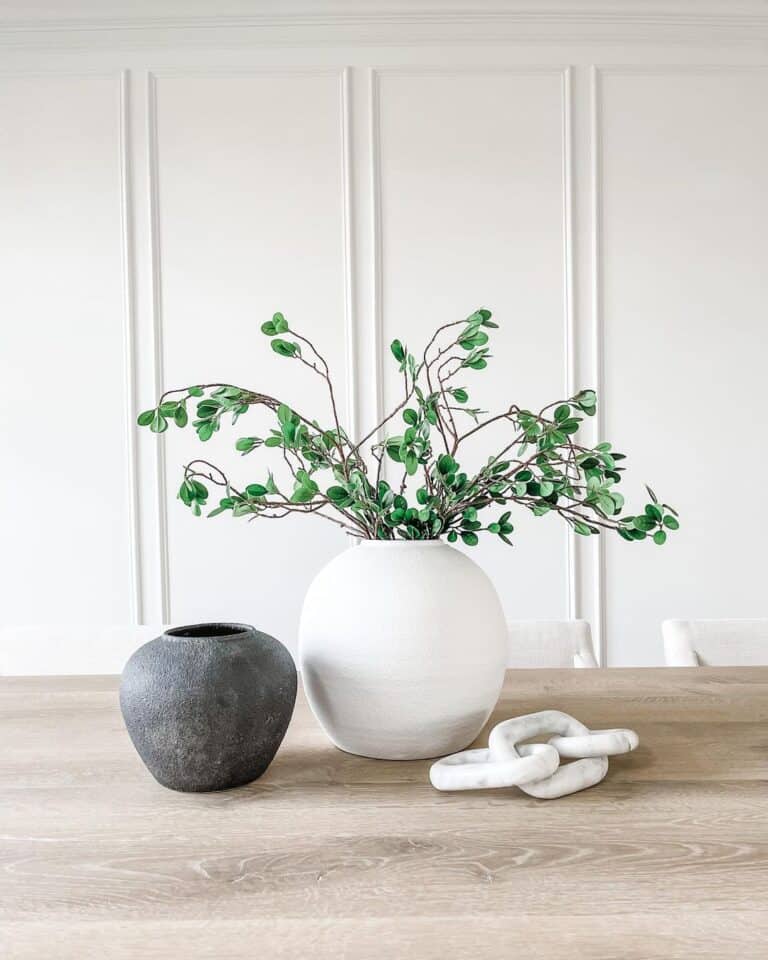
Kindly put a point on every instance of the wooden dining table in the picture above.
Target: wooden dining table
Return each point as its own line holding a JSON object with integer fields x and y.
{"x": 334, "y": 856}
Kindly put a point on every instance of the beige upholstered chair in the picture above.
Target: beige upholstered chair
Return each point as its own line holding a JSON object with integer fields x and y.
{"x": 550, "y": 643}
{"x": 720, "y": 643}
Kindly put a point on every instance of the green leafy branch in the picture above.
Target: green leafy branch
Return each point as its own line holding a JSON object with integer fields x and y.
{"x": 541, "y": 467}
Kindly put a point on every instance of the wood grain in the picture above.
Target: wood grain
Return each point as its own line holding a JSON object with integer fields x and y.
{"x": 331, "y": 855}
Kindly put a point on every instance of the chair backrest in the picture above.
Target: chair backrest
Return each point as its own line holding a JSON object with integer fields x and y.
{"x": 718, "y": 643}
{"x": 550, "y": 643}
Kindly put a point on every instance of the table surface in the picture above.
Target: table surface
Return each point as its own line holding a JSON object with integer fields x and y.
{"x": 330, "y": 855}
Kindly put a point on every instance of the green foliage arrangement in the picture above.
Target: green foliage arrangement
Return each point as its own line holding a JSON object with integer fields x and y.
{"x": 541, "y": 467}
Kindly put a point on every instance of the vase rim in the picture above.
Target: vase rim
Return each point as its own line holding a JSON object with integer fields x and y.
{"x": 220, "y": 630}
{"x": 403, "y": 543}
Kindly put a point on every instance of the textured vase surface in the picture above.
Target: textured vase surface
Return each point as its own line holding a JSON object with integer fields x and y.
{"x": 207, "y": 706}
{"x": 402, "y": 649}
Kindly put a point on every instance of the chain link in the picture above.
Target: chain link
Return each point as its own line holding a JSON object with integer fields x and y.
{"x": 535, "y": 767}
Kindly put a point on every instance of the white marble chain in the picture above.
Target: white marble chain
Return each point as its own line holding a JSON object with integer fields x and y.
{"x": 535, "y": 767}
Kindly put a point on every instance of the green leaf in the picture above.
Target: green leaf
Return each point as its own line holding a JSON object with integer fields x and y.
{"x": 159, "y": 423}
{"x": 256, "y": 490}
{"x": 206, "y": 430}
{"x": 446, "y": 464}
{"x": 581, "y": 528}
{"x": 452, "y": 536}
{"x": 181, "y": 417}
{"x": 302, "y": 494}
{"x": 411, "y": 463}
{"x": 284, "y": 414}
{"x": 269, "y": 328}
{"x": 273, "y": 442}
{"x": 659, "y": 537}
{"x": 410, "y": 416}
{"x": 460, "y": 395}
{"x": 643, "y": 523}
{"x": 280, "y": 323}
{"x": 271, "y": 485}
{"x": 671, "y": 523}
{"x": 195, "y": 391}
{"x": 144, "y": 419}
{"x": 562, "y": 412}
{"x": 587, "y": 398}
{"x": 398, "y": 351}
{"x": 653, "y": 512}
{"x": 168, "y": 408}
{"x": 285, "y": 348}
{"x": 336, "y": 494}
{"x": 208, "y": 408}
{"x": 470, "y": 538}
{"x": 246, "y": 444}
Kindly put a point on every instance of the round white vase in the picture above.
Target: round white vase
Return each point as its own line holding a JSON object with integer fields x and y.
{"x": 402, "y": 649}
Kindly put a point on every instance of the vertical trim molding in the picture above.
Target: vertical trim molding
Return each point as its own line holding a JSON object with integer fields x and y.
{"x": 569, "y": 346}
{"x": 377, "y": 312}
{"x": 128, "y": 251}
{"x": 598, "y": 338}
{"x": 157, "y": 339}
{"x": 350, "y": 320}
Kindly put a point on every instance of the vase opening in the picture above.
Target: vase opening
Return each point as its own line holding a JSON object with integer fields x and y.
{"x": 208, "y": 631}
{"x": 366, "y": 542}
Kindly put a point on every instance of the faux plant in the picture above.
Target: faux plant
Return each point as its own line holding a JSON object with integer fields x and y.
{"x": 541, "y": 466}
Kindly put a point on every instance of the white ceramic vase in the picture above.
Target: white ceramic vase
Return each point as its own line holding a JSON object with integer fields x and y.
{"x": 402, "y": 649}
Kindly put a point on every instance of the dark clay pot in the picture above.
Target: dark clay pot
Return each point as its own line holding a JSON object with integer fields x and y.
{"x": 207, "y": 706}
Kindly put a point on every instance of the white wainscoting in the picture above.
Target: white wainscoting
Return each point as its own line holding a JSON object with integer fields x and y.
{"x": 599, "y": 180}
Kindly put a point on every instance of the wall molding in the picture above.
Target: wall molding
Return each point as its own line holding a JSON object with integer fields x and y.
{"x": 299, "y": 23}
{"x": 153, "y": 181}
{"x": 129, "y": 349}
{"x": 743, "y": 14}
{"x": 158, "y": 365}
{"x": 598, "y": 339}
{"x": 597, "y": 73}
{"x": 348, "y": 219}
{"x": 129, "y": 320}
{"x": 569, "y": 308}
{"x": 565, "y": 73}
{"x": 374, "y": 179}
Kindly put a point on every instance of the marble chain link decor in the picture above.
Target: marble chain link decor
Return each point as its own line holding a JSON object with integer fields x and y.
{"x": 535, "y": 767}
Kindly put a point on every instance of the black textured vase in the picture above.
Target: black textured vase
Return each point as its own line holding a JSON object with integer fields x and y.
{"x": 207, "y": 706}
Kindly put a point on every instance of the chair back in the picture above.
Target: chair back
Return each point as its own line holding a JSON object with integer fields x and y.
{"x": 550, "y": 643}
{"x": 717, "y": 643}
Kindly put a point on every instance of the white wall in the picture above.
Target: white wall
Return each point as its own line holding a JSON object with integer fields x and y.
{"x": 595, "y": 174}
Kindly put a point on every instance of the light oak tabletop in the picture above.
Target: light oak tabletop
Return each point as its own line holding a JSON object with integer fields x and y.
{"x": 330, "y": 855}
